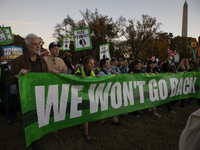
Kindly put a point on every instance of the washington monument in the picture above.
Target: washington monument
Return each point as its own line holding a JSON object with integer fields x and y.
{"x": 185, "y": 19}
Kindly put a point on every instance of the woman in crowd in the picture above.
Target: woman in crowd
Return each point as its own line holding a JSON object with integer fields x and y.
{"x": 86, "y": 70}
{"x": 183, "y": 67}
{"x": 167, "y": 69}
{"x": 105, "y": 70}
{"x": 151, "y": 69}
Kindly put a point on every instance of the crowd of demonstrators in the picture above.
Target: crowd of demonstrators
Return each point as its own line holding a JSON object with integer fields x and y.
{"x": 33, "y": 61}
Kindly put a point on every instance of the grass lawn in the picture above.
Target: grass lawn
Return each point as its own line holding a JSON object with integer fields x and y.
{"x": 145, "y": 133}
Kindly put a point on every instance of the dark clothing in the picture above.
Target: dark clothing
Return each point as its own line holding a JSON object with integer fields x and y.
{"x": 71, "y": 68}
{"x": 23, "y": 62}
{"x": 123, "y": 69}
{"x": 97, "y": 70}
{"x": 36, "y": 65}
{"x": 181, "y": 70}
{"x": 148, "y": 70}
{"x": 5, "y": 106}
{"x": 159, "y": 70}
{"x": 132, "y": 69}
{"x": 183, "y": 101}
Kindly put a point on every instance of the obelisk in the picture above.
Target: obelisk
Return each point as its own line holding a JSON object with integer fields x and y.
{"x": 185, "y": 19}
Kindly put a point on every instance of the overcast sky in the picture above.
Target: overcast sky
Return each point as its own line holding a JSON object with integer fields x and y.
{"x": 41, "y": 16}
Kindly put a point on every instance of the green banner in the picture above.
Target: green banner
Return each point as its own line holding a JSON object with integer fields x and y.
{"x": 51, "y": 102}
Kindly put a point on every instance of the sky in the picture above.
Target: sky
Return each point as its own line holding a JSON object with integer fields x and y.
{"x": 41, "y": 16}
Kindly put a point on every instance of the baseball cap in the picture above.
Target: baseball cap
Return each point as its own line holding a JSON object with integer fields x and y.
{"x": 53, "y": 44}
{"x": 120, "y": 59}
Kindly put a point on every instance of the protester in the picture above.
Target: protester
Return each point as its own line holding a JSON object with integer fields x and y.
{"x": 143, "y": 68}
{"x": 68, "y": 61}
{"x": 121, "y": 66}
{"x": 86, "y": 70}
{"x": 105, "y": 70}
{"x": 42, "y": 54}
{"x": 197, "y": 69}
{"x": 135, "y": 67}
{"x": 191, "y": 67}
{"x": 183, "y": 67}
{"x": 167, "y": 69}
{"x": 55, "y": 64}
{"x": 151, "y": 69}
{"x": 113, "y": 67}
{"x": 159, "y": 66}
{"x": 28, "y": 62}
{"x": 5, "y": 103}
{"x": 126, "y": 65}
{"x": 98, "y": 68}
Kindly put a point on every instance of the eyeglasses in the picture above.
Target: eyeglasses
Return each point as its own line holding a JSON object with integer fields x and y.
{"x": 54, "y": 61}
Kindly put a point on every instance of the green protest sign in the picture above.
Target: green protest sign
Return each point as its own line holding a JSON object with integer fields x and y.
{"x": 51, "y": 102}
{"x": 9, "y": 35}
{"x": 66, "y": 43}
{"x": 104, "y": 51}
{"x": 3, "y": 37}
{"x": 82, "y": 39}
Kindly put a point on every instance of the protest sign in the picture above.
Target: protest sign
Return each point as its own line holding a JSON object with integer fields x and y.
{"x": 51, "y": 102}
{"x": 82, "y": 39}
{"x": 11, "y": 52}
{"x": 66, "y": 43}
{"x": 104, "y": 51}
{"x": 9, "y": 35}
{"x": 176, "y": 58}
{"x": 3, "y": 37}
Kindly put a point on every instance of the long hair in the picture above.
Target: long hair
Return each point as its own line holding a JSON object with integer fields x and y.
{"x": 182, "y": 66}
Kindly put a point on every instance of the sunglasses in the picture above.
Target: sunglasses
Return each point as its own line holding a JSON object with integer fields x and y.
{"x": 54, "y": 61}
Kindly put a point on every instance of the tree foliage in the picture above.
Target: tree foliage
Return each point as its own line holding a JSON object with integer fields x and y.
{"x": 182, "y": 46}
{"x": 103, "y": 29}
{"x": 140, "y": 35}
